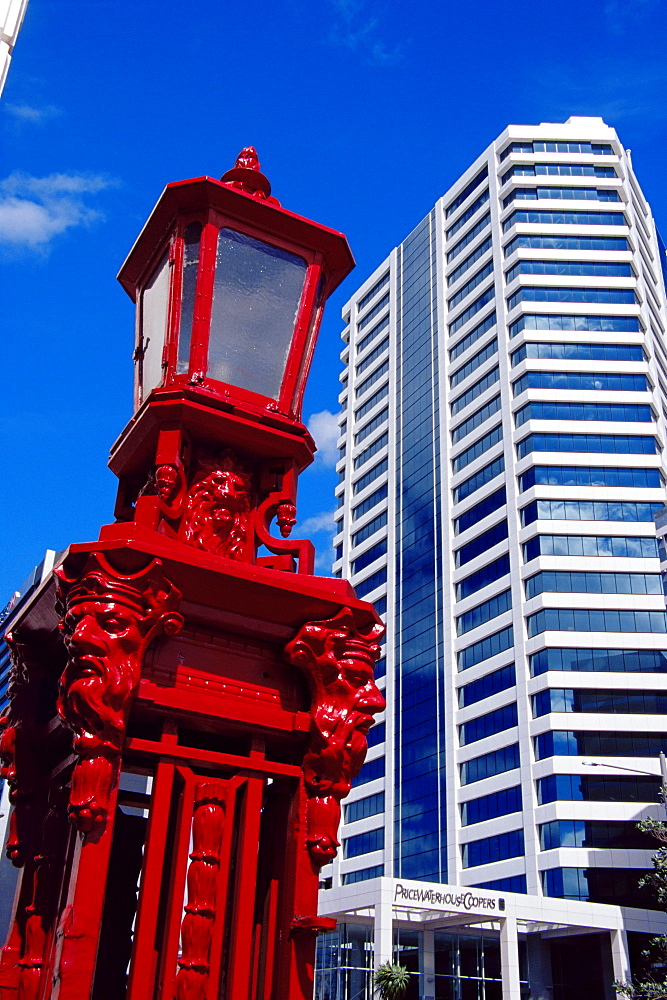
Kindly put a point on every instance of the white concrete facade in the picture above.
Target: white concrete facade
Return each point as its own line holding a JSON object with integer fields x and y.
{"x": 471, "y": 524}
{"x": 12, "y": 13}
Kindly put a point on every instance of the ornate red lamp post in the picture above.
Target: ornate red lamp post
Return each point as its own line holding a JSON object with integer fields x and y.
{"x": 186, "y": 693}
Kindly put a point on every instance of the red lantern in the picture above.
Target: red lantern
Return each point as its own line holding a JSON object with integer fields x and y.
{"x": 229, "y": 289}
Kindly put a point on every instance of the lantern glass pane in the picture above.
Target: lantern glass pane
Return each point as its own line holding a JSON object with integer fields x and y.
{"x": 154, "y": 307}
{"x": 255, "y": 304}
{"x": 191, "y": 240}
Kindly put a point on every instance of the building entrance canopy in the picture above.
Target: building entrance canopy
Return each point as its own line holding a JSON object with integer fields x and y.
{"x": 392, "y": 903}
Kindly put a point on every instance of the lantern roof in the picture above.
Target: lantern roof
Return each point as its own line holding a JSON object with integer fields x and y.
{"x": 242, "y": 195}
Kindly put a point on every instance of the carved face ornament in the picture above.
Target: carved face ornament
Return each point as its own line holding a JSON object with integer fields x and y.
{"x": 102, "y": 638}
{"x": 216, "y": 516}
{"x": 351, "y": 691}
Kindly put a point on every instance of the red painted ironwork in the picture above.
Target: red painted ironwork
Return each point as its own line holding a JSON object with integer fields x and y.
{"x": 214, "y": 695}
{"x": 202, "y": 887}
{"x": 338, "y": 661}
{"x": 109, "y": 619}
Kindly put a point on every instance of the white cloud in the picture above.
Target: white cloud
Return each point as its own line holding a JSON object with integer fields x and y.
{"x": 318, "y": 523}
{"x": 36, "y": 116}
{"x": 355, "y": 30}
{"x": 33, "y": 210}
{"x": 321, "y": 528}
{"x": 324, "y": 428}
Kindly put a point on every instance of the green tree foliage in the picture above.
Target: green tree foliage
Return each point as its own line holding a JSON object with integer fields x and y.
{"x": 652, "y": 985}
{"x": 391, "y": 981}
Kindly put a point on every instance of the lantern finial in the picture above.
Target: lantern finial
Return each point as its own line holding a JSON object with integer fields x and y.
{"x": 246, "y": 176}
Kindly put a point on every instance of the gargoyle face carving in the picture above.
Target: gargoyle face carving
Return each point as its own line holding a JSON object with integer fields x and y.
{"x": 216, "y": 517}
{"x": 102, "y": 639}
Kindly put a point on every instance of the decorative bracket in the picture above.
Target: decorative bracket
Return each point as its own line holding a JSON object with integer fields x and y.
{"x": 108, "y": 620}
{"x": 338, "y": 662}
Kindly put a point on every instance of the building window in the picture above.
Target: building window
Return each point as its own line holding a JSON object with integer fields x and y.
{"x": 368, "y": 477}
{"x": 491, "y": 849}
{"x": 369, "y": 556}
{"x": 491, "y": 806}
{"x": 363, "y": 808}
{"x": 475, "y": 390}
{"x": 377, "y": 445}
{"x": 489, "y": 764}
{"x": 362, "y": 874}
{"x": 474, "y": 363}
{"x": 587, "y": 324}
{"x": 498, "y": 680}
{"x": 530, "y": 242}
{"x": 467, "y": 191}
{"x": 578, "y": 352}
{"x": 604, "y": 444}
{"x": 469, "y": 237}
{"x": 560, "y": 194}
{"x": 472, "y": 310}
{"x": 363, "y": 843}
{"x": 485, "y": 612}
{"x": 480, "y": 446}
{"x": 597, "y": 788}
{"x": 371, "y": 501}
{"x": 574, "y": 582}
{"x": 595, "y": 620}
{"x": 369, "y": 296}
{"x": 533, "y": 293}
{"x": 371, "y": 583}
{"x": 512, "y": 883}
{"x": 369, "y": 529}
{"x": 480, "y": 479}
{"x": 483, "y": 577}
{"x": 622, "y": 835}
{"x": 468, "y": 214}
{"x": 563, "y": 267}
{"x": 589, "y": 510}
{"x": 574, "y": 475}
{"x": 370, "y": 403}
{"x": 488, "y": 725}
{"x": 564, "y": 743}
{"x": 371, "y": 770}
{"x": 565, "y": 219}
{"x": 474, "y": 282}
{"x": 371, "y": 380}
{"x": 471, "y": 259}
{"x": 599, "y": 700}
{"x": 370, "y": 316}
{"x": 377, "y": 734}
{"x": 477, "y": 513}
{"x": 476, "y": 419}
{"x": 615, "y": 886}
{"x": 558, "y": 170}
{"x": 471, "y": 338}
{"x": 596, "y": 148}
{"x": 373, "y": 356}
{"x": 629, "y": 413}
{"x": 620, "y": 661}
{"x": 487, "y": 540}
{"x": 604, "y": 381}
{"x": 617, "y": 546}
{"x": 482, "y": 650}
{"x": 370, "y": 337}
{"x": 371, "y": 426}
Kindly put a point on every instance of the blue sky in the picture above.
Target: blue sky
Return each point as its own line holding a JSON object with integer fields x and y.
{"x": 363, "y": 114}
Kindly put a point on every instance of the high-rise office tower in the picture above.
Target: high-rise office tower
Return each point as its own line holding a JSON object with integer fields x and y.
{"x": 502, "y": 458}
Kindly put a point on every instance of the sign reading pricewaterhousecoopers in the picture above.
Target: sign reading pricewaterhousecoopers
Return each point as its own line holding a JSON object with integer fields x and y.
{"x": 454, "y": 899}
